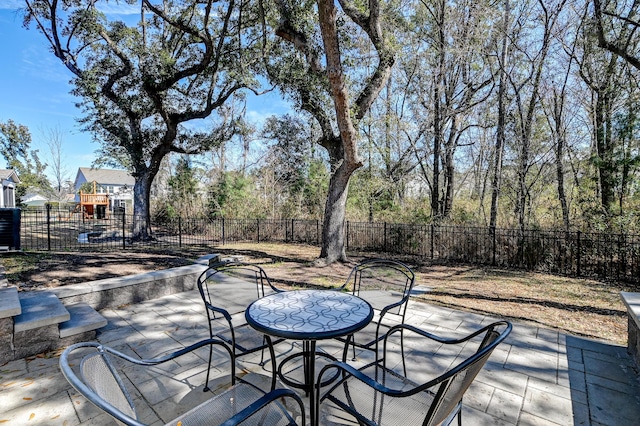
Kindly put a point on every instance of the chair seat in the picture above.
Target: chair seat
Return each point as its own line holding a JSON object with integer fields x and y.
{"x": 247, "y": 339}
{"x": 377, "y": 396}
{"x": 226, "y": 290}
{"x": 384, "y": 409}
{"x": 380, "y": 299}
{"x": 95, "y": 371}
{"x": 218, "y": 409}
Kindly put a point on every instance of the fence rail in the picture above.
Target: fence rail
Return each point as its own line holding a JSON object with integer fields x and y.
{"x": 598, "y": 255}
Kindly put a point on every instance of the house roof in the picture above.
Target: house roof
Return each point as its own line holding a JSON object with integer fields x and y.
{"x": 9, "y": 174}
{"x": 33, "y": 197}
{"x": 106, "y": 176}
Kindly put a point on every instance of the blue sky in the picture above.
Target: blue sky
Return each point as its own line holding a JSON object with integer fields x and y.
{"x": 34, "y": 90}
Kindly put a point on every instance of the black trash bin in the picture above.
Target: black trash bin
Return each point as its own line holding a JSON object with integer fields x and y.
{"x": 10, "y": 228}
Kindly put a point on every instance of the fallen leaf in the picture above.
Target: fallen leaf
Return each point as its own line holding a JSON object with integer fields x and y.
{"x": 27, "y": 399}
{"x": 55, "y": 417}
{"x": 3, "y": 421}
{"x": 32, "y": 416}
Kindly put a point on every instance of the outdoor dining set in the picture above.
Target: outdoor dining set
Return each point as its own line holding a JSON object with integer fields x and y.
{"x": 364, "y": 317}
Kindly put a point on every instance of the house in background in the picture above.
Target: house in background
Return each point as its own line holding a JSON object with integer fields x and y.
{"x": 34, "y": 200}
{"x": 117, "y": 184}
{"x": 9, "y": 180}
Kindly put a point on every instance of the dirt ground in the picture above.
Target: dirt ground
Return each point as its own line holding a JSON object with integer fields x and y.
{"x": 578, "y": 306}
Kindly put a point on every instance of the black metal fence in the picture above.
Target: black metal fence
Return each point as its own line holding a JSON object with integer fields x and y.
{"x": 599, "y": 255}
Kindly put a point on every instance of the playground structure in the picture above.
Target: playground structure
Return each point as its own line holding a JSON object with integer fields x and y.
{"x": 94, "y": 205}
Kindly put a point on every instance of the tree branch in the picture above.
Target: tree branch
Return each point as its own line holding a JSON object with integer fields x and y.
{"x": 614, "y": 48}
{"x": 372, "y": 26}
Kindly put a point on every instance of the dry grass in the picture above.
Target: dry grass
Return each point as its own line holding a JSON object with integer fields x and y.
{"x": 577, "y": 306}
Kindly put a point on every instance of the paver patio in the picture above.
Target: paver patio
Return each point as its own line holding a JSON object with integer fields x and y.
{"x": 537, "y": 377}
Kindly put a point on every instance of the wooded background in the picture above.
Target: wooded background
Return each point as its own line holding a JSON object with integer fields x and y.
{"x": 507, "y": 114}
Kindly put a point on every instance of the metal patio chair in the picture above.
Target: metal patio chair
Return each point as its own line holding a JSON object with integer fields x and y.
{"x": 378, "y": 394}
{"x": 226, "y": 290}
{"x": 99, "y": 372}
{"x": 365, "y": 281}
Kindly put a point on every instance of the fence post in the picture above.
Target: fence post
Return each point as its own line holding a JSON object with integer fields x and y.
{"x": 179, "y": 231}
{"x": 286, "y": 230}
{"x": 292, "y": 233}
{"x": 578, "y": 259}
{"x": 223, "y": 231}
{"x": 622, "y": 258}
{"x": 258, "y": 223}
{"x": 432, "y": 241}
{"x": 317, "y": 232}
{"x": 493, "y": 245}
{"x": 347, "y": 235}
{"x": 385, "y": 237}
{"x": 124, "y": 243}
{"x": 48, "y": 207}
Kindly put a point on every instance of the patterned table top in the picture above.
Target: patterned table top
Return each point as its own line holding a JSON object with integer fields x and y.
{"x": 309, "y": 314}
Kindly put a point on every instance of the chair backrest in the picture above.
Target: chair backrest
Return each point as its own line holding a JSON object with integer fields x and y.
{"x": 383, "y": 274}
{"x": 452, "y": 385}
{"x": 97, "y": 380}
{"x": 234, "y": 285}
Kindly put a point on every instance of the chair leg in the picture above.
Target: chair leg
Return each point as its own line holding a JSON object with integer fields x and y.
{"x": 345, "y": 351}
{"x": 272, "y": 352}
{"x": 264, "y": 339}
{"x": 353, "y": 345}
{"x": 206, "y": 383}
{"x": 404, "y": 363}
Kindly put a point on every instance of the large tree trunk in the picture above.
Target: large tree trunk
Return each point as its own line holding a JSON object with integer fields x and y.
{"x": 334, "y": 215}
{"x": 604, "y": 148}
{"x": 333, "y": 232}
{"x": 438, "y": 117}
{"x": 560, "y": 177}
{"x": 141, "y": 208}
{"x": 449, "y": 169}
{"x": 342, "y": 147}
{"x": 559, "y": 131}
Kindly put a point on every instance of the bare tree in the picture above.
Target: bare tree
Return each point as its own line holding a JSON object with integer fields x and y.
{"x": 54, "y": 137}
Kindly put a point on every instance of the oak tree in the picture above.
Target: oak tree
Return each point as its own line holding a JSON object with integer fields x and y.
{"x": 144, "y": 87}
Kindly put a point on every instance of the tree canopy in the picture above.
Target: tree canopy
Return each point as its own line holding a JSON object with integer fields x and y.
{"x": 142, "y": 83}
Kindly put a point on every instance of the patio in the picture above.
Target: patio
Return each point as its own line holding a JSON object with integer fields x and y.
{"x": 537, "y": 377}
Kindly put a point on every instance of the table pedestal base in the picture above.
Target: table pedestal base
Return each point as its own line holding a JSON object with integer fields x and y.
{"x": 307, "y": 371}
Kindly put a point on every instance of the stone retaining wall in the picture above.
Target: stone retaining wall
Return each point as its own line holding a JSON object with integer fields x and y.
{"x": 100, "y": 294}
{"x": 113, "y": 292}
{"x": 632, "y": 302}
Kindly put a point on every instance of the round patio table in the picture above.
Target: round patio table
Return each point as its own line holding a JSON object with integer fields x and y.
{"x": 309, "y": 315}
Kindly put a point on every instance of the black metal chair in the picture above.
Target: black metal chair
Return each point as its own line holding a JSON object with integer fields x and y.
{"x": 226, "y": 290}
{"x": 97, "y": 372}
{"x": 378, "y": 394}
{"x": 366, "y": 280}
